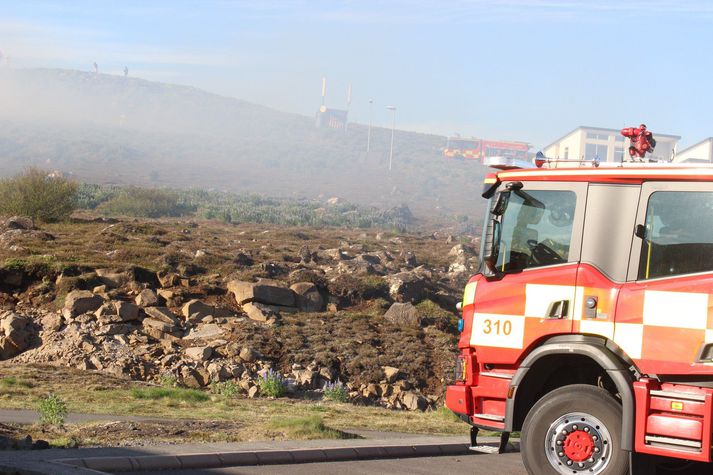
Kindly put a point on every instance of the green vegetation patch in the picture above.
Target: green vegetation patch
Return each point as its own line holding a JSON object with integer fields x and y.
{"x": 305, "y": 428}
{"x": 175, "y": 394}
{"x": 41, "y": 195}
{"x": 145, "y": 203}
{"x": 235, "y": 208}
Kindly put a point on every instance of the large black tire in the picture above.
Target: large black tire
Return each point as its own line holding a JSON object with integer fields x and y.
{"x": 578, "y": 411}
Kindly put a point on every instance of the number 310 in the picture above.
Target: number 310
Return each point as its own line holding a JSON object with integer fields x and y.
{"x": 497, "y": 326}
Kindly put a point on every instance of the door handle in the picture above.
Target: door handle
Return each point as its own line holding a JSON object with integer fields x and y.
{"x": 558, "y": 309}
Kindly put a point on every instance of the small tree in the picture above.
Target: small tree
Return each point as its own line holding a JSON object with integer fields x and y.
{"x": 41, "y": 195}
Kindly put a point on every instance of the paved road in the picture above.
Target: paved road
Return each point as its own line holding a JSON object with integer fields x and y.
{"x": 478, "y": 464}
{"x": 26, "y": 416}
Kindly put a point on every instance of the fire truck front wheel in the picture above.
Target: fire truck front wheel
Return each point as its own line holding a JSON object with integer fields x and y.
{"x": 574, "y": 429}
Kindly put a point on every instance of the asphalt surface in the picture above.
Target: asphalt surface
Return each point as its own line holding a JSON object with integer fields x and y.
{"x": 479, "y": 464}
{"x": 26, "y": 416}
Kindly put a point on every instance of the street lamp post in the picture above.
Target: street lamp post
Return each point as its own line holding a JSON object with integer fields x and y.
{"x": 368, "y": 135}
{"x": 393, "y": 126}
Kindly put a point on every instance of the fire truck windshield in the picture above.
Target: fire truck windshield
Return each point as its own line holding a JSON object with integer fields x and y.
{"x": 535, "y": 230}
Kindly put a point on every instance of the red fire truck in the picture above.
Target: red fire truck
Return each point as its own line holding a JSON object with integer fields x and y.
{"x": 479, "y": 149}
{"x": 589, "y": 327}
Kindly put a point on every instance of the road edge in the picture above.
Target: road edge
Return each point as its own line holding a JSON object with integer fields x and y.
{"x": 264, "y": 457}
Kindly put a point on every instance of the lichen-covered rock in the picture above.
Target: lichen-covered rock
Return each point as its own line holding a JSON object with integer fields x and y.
{"x": 403, "y": 314}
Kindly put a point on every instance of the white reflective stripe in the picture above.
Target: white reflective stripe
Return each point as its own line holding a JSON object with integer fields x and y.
{"x": 578, "y": 304}
{"x": 501, "y": 331}
{"x": 676, "y": 309}
{"x": 609, "y": 171}
{"x": 629, "y": 337}
{"x": 594, "y": 327}
{"x": 538, "y": 298}
{"x": 469, "y": 293}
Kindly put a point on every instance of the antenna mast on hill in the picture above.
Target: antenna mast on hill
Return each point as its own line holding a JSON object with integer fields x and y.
{"x": 324, "y": 89}
{"x": 96, "y": 68}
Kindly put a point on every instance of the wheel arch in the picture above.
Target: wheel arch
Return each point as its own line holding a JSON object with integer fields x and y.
{"x": 592, "y": 356}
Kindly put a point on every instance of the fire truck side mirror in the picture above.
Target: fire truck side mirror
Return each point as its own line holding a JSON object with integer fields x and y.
{"x": 492, "y": 244}
{"x": 640, "y": 231}
{"x": 501, "y": 203}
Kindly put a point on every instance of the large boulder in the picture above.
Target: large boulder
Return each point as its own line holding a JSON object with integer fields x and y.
{"x": 159, "y": 325}
{"x": 199, "y": 353}
{"x": 127, "y": 311}
{"x": 16, "y": 335}
{"x": 204, "y": 331}
{"x": 147, "y": 298}
{"x": 195, "y": 311}
{"x": 113, "y": 279}
{"x": 78, "y": 302}
{"x": 18, "y": 222}
{"x": 308, "y": 298}
{"x": 162, "y": 314}
{"x": 263, "y": 292}
{"x": 407, "y": 287}
{"x": 413, "y": 401}
{"x": 403, "y": 314}
{"x": 259, "y": 312}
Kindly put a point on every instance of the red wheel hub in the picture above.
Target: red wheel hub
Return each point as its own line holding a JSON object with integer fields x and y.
{"x": 578, "y": 446}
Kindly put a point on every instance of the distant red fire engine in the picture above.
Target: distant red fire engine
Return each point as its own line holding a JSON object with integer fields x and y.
{"x": 478, "y": 149}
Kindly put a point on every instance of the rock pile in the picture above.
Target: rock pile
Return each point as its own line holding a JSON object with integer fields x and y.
{"x": 203, "y": 329}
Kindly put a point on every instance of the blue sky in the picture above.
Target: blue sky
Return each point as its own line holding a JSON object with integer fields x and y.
{"x": 512, "y": 69}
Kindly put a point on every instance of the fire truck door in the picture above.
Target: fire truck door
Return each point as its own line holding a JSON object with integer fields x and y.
{"x": 534, "y": 230}
{"x": 663, "y": 317}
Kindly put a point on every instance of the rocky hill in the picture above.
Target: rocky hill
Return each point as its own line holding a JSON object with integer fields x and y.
{"x": 108, "y": 129}
{"x": 201, "y": 303}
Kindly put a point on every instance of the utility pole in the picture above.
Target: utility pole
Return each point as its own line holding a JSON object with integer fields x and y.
{"x": 393, "y": 126}
{"x": 368, "y": 135}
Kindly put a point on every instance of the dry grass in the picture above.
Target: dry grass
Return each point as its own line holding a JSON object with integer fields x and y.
{"x": 150, "y": 243}
{"x": 190, "y": 418}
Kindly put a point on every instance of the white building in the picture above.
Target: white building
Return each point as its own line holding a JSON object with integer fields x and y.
{"x": 606, "y": 144}
{"x": 702, "y": 152}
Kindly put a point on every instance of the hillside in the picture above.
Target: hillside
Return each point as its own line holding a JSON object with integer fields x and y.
{"x": 114, "y": 130}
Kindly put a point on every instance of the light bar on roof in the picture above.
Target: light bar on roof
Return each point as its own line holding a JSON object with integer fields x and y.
{"x": 506, "y": 163}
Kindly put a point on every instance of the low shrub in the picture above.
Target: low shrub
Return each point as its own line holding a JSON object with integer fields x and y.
{"x": 39, "y": 194}
{"x": 272, "y": 384}
{"x": 336, "y": 392}
{"x": 145, "y": 203}
{"x": 52, "y": 410}
{"x": 169, "y": 381}
{"x": 226, "y": 388}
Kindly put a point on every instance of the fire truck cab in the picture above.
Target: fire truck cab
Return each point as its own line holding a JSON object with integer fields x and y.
{"x": 589, "y": 327}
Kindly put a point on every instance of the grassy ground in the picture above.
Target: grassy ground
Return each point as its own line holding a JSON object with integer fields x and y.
{"x": 195, "y": 416}
{"x": 146, "y": 242}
